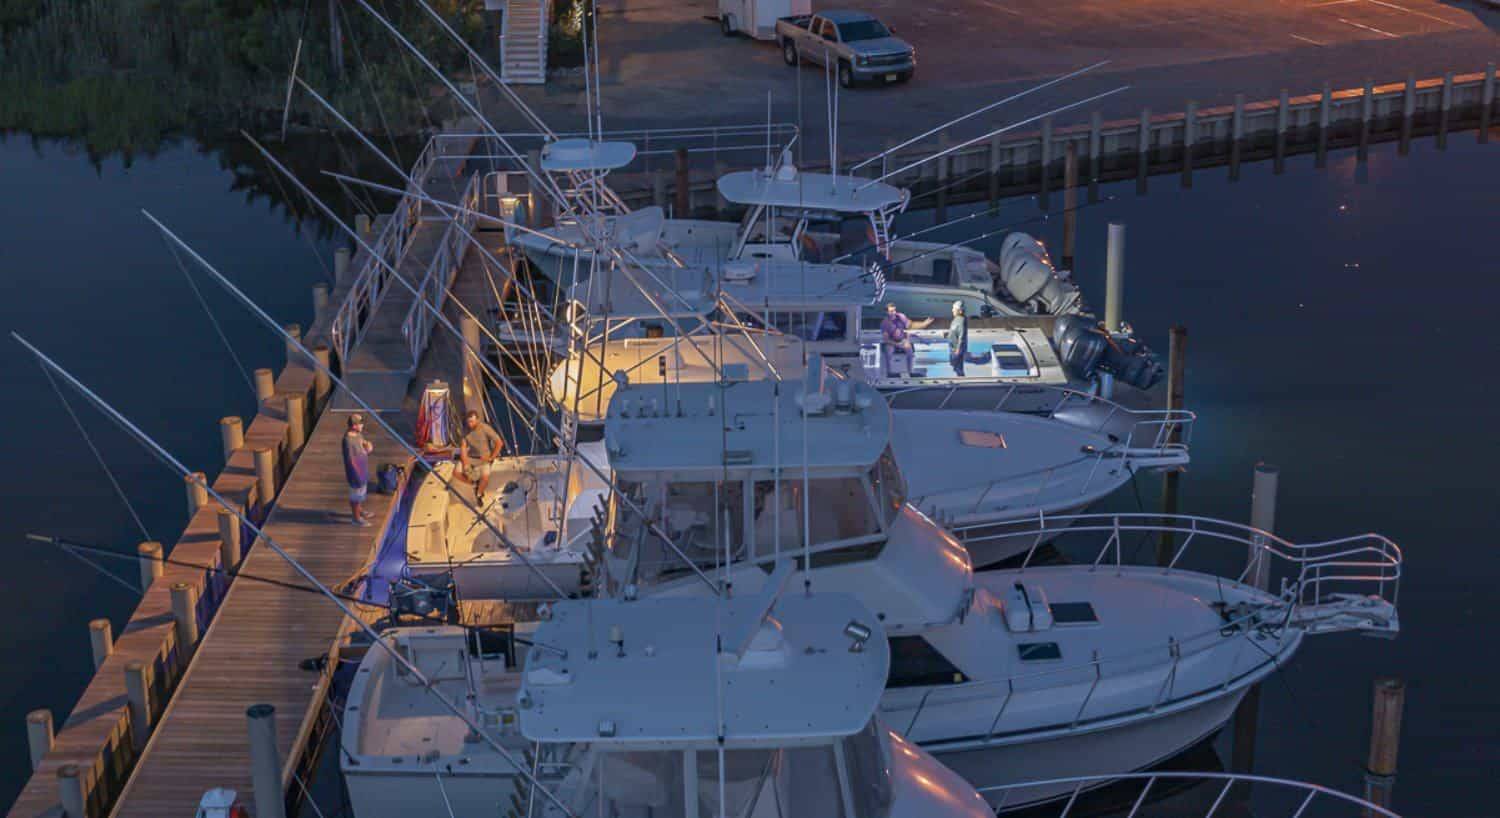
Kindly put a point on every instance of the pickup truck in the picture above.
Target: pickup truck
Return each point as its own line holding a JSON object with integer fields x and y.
{"x": 862, "y": 47}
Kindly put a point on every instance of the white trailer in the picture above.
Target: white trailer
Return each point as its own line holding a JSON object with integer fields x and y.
{"x": 757, "y": 18}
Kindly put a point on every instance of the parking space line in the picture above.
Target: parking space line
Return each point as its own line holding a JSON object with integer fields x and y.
{"x": 1369, "y": 28}
{"x": 1414, "y": 11}
{"x": 1307, "y": 39}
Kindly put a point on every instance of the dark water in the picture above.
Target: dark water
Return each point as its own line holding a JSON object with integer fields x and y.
{"x": 1339, "y": 327}
{"x": 90, "y": 282}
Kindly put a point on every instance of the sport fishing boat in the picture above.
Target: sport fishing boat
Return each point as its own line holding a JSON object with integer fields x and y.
{"x": 760, "y": 704}
{"x": 1008, "y": 675}
{"x": 797, "y": 217}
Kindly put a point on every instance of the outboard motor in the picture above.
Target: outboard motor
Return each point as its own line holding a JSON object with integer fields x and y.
{"x": 1085, "y": 349}
{"x": 1028, "y": 276}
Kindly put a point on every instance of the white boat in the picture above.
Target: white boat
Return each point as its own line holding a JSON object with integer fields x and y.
{"x": 756, "y": 706}
{"x": 1012, "y": 675}
{"x": 799, "y": 217}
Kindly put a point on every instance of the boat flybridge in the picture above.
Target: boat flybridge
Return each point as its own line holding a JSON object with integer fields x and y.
{"x": 757, "y": 706}
{"x": 1009, "y": 675}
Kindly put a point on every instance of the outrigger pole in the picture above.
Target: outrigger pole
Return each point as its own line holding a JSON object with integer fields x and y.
{"x": 168, "y": 459}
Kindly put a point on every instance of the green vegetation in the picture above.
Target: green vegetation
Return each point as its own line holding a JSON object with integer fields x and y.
{"x": 128, "y": 76}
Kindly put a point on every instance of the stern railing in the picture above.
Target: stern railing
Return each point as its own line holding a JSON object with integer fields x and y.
{"x": 1280, "y": 797}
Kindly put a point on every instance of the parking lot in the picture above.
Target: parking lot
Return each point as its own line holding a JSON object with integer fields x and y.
{"x": 665, "y": 63}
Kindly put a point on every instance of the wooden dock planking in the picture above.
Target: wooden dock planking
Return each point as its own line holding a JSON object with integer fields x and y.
{"x": 97, "y": 734}
{"x": 251, "y": 651}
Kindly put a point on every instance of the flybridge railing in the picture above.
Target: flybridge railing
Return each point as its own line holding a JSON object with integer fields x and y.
{"x": 1141, "y": 432}
{"x": 416, "y": 328}
{"x": 1279, "y": 797}
{"x": 1350, "y": 583}
{"x": 371, "y": 276}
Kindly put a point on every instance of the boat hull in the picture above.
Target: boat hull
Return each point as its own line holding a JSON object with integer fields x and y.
{"x": 1128, "y": 747}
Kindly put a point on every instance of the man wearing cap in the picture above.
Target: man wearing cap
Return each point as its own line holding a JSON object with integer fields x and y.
{"x": 958, "y": 342}
{"x": 357, "y": 469}
{"x": 893, "y": 337}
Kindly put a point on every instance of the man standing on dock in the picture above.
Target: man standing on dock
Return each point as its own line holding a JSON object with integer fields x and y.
{"x": 481, "y": 447}
{"x": 357, "y": 469}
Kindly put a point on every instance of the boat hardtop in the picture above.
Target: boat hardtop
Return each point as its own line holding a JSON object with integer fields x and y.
{"x": 787, "y": 671}
{"x": 576, "y": 154}
{"x": 704, "y": 428}
{"x": 786, "y": 187}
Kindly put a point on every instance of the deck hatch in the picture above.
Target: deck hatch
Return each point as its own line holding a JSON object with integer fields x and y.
{"x": 1039, "y": 651}
{"x": 1074, "y": 613}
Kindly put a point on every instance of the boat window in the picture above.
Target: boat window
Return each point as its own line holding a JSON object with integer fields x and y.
{"x": 749, "y": 778}
{"x": 841, "y": 512}
{"x": 934, "y": 271}
{"x": 1039, "y": 651}
{"x": 916, "y": 663}
{"x": 637, "y": 783}
{"x": 889, "y": 487}
{"x": 1073, "y": 613}
{"x": 857, "y": 30}
{"x": 807, "y": 781}
{"x": 809, "y": 325}
{"x": 869, "y": 781}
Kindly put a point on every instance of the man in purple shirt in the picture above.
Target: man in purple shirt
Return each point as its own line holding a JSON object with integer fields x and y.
{"x": 893, "y": 338}
{"x": 357, "y": 469}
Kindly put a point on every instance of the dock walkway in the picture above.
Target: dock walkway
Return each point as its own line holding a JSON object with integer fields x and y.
{"x": 256, "y": 636}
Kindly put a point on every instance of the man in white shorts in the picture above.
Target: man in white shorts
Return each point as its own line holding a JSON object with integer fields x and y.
{"x": 481, "y": 447}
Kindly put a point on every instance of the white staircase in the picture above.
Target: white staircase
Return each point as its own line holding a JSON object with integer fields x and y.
{"x": 523, "y": 43}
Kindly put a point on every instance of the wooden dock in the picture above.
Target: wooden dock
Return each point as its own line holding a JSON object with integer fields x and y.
{"x": 255, "y": 636}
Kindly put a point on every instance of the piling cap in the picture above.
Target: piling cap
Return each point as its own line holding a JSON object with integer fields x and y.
{"x": 67, "y": 771}
{"x": 260, "y": 711}
{"x": 39, "y": 716}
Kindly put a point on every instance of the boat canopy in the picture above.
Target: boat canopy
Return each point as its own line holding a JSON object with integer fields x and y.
{"x": 787, "y": 188}
{"x": 638, "y": 672}
{"x": 586, "y": 154}
{"x": 728, "y": 430}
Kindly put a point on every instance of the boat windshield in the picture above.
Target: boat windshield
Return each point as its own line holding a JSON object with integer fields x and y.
{"x": 853, "y": 32}
{"x": 808, "y": 325}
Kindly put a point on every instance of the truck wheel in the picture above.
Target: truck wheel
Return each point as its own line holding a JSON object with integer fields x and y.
{"x": 789, "y": 52}
{"x": 726, "y": 24}
{"x": 846, "y": 75}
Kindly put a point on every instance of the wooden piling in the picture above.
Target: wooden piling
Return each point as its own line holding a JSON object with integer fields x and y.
{"x": 1114, "y": 277}
{"x": 1189, "y": 138}
{"x": 1385, "y": 741}
{"x": 293, "y": 354}
{"x": 1143, "y": 138}
{"x": 265, "y": 762}
{"x": 1283, "y": 122}
{"x": 362, "y": 225}
{"x": 1176, "y": 382}
{"x": 322, "y": 384}
{"x": 1408, "y": 111}
{"x": 137, "y": 697}
{"x": 1096, "y": 142}
{"x": 150, "y": 555}
{"x": 1325, "y": 119}
{"x": 39, "y": 735}
{"x": 265, "y": 474}
{"x": 231, "y": 434}
{"x": 184, "y": 615}
{"x": 101, "y": 641}
{"x": 320, "y": 298}
{"x": 682, "y": 198}
{"x": 197, "y": 491}
{"x": 1263, "y": 518}
{"x": 1445, "y": 102}
{"x": 70, "y": 791}
{"x": 229, "y": 540}
{"x": 473, "y": 385}
{"x": 1070, "y": 202}
{"x": 265, "y": 384}
{"x": 1486, "y": 102}
{"x": 1045, "y": 160}
{"x": 296, "y": 422}
{"x": 658, "y": 188}
{"x": 340, "y": 264}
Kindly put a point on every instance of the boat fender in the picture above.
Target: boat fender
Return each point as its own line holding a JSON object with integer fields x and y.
{"x": 1017, "y": 612}
{"x": 1041, "y": 612}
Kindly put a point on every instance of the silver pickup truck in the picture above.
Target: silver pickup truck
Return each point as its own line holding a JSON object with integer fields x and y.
{"x": 862, "y": 47}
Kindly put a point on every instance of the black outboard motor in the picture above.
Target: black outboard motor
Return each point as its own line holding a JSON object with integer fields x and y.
{"x": 1086, "y": 349}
